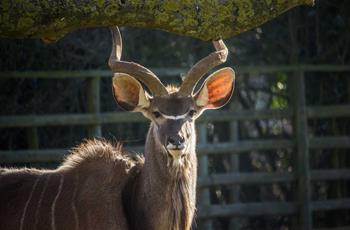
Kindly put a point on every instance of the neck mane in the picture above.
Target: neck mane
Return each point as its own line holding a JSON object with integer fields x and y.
{"x": 165, "y": 190}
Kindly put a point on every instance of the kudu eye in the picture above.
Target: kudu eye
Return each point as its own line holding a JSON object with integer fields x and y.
{"x": 156, "y": 114}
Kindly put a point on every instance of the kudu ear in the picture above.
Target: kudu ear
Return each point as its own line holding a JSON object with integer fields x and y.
{"x": 217, "y": 90}
{"x": 129, "y": 93}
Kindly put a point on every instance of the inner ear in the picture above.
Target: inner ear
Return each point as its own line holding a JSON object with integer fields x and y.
{"x": 129, "y": 93}
{"x": 217, "y": 90}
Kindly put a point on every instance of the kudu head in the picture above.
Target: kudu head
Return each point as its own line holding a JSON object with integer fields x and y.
{"x": 172, "y": 111}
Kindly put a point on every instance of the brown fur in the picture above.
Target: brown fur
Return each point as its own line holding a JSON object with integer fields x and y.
{"x": 95, "y": 174}
{"x": 163, "y": 194}
{"x": 93, "y": 177}
{"x": 110, "y": 190}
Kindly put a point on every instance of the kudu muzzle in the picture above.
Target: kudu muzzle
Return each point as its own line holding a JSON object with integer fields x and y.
{"x": 175, "y": 140}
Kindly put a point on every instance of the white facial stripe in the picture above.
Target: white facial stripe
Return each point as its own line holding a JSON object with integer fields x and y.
{"x": 178, "y": 117}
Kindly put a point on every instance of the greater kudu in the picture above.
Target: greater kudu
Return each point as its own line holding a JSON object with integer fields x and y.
{"x": 99, "y": 186}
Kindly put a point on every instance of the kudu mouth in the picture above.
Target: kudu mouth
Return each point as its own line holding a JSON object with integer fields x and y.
{"x": 176, "y": 157}
{"x": 176, "y": 151}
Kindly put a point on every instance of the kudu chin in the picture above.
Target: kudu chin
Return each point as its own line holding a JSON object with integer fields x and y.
{"x": 99, "y": 186}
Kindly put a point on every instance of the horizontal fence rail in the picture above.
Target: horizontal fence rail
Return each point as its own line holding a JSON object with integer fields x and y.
{"x": 169, "y": 72}
{"x": 23, "y": 156}
{"x": 268, "y": 208}
{"x": 248, "y": 209}
{"x": 122, "y": 117}
{"x": 301, "y": 176}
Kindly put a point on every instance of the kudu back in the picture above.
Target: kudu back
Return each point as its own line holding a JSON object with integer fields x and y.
{"x": 99, "y": 185}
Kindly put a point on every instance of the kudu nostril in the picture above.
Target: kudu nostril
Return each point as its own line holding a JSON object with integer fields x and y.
{"x": 177, "y": 142}
{"x": 182, "y": 140}
{"x": 171, "y": 140}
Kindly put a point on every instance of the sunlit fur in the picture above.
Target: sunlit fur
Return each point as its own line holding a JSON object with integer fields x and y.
{"x": 91, "y": 151}
{"x": 172, "y": 88}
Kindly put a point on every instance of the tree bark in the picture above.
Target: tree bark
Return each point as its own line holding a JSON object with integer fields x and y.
{"x": 205, "y": 19}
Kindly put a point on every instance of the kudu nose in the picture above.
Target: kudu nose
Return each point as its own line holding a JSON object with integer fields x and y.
{"x": 175, "y": 142}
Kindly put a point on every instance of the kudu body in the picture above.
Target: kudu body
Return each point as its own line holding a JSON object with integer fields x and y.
{"x": 99, "y": 186}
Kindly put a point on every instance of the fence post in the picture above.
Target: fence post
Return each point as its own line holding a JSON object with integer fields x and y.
{"x": 93, "y": 105}
{"x": 234, "y": 223}
{"x": 203, "y": 171}
{"x": 302, "y": 147}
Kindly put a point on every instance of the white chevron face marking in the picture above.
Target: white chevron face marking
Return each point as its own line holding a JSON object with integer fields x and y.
{"x": 178, "y": 117}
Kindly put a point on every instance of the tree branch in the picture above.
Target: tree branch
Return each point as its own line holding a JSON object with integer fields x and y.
{"x": 206, "y": 20}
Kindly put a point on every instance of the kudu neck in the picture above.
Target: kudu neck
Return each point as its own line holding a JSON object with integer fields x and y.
{"x": 155, "y": 158}
{"x": 170, "y": 199}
